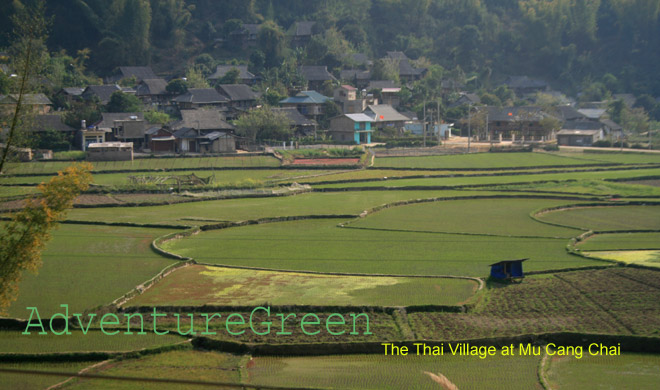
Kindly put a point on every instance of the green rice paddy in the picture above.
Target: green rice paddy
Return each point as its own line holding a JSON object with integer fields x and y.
{"x": 641, "y": 371}
{"x": 502, "y": 217}
{"x": 86, "y": 266}
{"x": 394, "y": 372}
{"x": 607, "y": 218}
{"x": 319, "y": 245}
{"x": 200, "y": 285}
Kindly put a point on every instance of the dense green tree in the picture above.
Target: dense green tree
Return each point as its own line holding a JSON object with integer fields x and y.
{"x": 132, "y": 23}
{"x": 176, "y": 87}
{"x": 195, "y": 78}
{"x": 123, "y": 102}
{"x": 264, "y": 124}
{"x": 168, "y": 21}
{"x": 231, "y": 77}
{"x": 646, "y": 101}
{"x": 157, "y": 117}
{"x": 271, "y": 42}
{"x": 490, "y": 99}
{"x": 89, "y": 111}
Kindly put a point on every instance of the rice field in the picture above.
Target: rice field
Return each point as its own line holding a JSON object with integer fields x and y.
{"x": 504, "y": 179}
{"x": 93, "y": 341}
{"x": 394, "y": 372}
{"x": 200, "y": 285}
{"x": 640, "y": 371}
{"x": 50, "y": 167}
{"x": 205, "y": 212}
{"x": 501, "y": 217}
{"x": 483, "y": 160}
{"x": 647, "y": 258}
{"x": 31, "y": 381}
{"x": 607, "y": 218}
{"x": 86, "y": 266}
{"x": 176, "y": 365}
{"x": 621, "y": 241}
{"x": 319, "y": 245}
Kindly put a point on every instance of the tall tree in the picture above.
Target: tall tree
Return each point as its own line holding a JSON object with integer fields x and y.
{"x": 24, "y": 237}
{"x": 271, "y": 43}
{"x": 29, "y": 54}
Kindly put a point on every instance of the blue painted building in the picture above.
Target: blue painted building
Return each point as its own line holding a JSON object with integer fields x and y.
{"x": 507, "y": 269}
{"x": 351, "y": 127}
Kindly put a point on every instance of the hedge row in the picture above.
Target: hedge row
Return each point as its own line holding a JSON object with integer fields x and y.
{"x": 628, "y": 344}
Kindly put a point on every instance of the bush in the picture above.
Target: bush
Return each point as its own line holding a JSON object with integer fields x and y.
{"x": 639, "y": 146}
{"x": 510, "y": 149}
{"x": 73, "y": 155}
{"x": 603, "y": 143}
{"x": 617, "y": 144}
{"x": 551, "y": 148}
{"x": 409, "y": 143}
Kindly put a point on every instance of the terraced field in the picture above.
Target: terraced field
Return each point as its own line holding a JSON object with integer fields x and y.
{"x": 607, "y": 218}
{"x": 490, "y": 215}
{"x": 200, "y": 285}
{"x": 86, "y": 266}
{"x": 319, "y": 245}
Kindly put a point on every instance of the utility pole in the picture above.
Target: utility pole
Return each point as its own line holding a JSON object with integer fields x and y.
{"x": 438, "y": 119}
{"x": 469, "y": 128}
{"x": 424, "y": 123}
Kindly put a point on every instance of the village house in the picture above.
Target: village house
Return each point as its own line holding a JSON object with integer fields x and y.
{"x": 568, "y": 113}
{"x": 388, "y": 91}
{"x": 203, "y": 131}
{"x": 100, "y": 93}
{"x": 110, "y": 151}
{"x": 316, "y": 76}
{"x": 194, "y": 141}
{"x": 594, "y": 114}
{"x": 241, "y": 98}
{"x": 246, "y": 35}
{"x": 301, "y": 33}
{"x": 523, "y": 85}
{"x": 469, "y": 99}
{"x": 153, "y": 92}
{"x": 244, "y": 76}
{"x": 386, "y": 119}
{"x": 356, "y": 128}
{"x": 611, "y": 129}
{"x": 124, "y": 127}
{"x": 308, "y": 103}
{"x": 407, "y": 72}
{"x": 159, "y": 140}
{"x": 66, "y": 96}
{"x": 517, "y": 124}
{"x": 351, "y": 101}
{"x": 359, "y": 78}
{"x": 301, "y": 126}
{"x": 580, "y": 133}
{"x": 201, "y": 98}
{"x": 449, "y": 86}
{"x": 36, "y": 103}
{"x": 138, "y": 73}
{"x": 89, "y": 135}
{"x": 50, "y": 122}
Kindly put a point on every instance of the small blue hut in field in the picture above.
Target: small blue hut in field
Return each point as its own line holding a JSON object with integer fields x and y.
{"x": 507, "y": 269}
